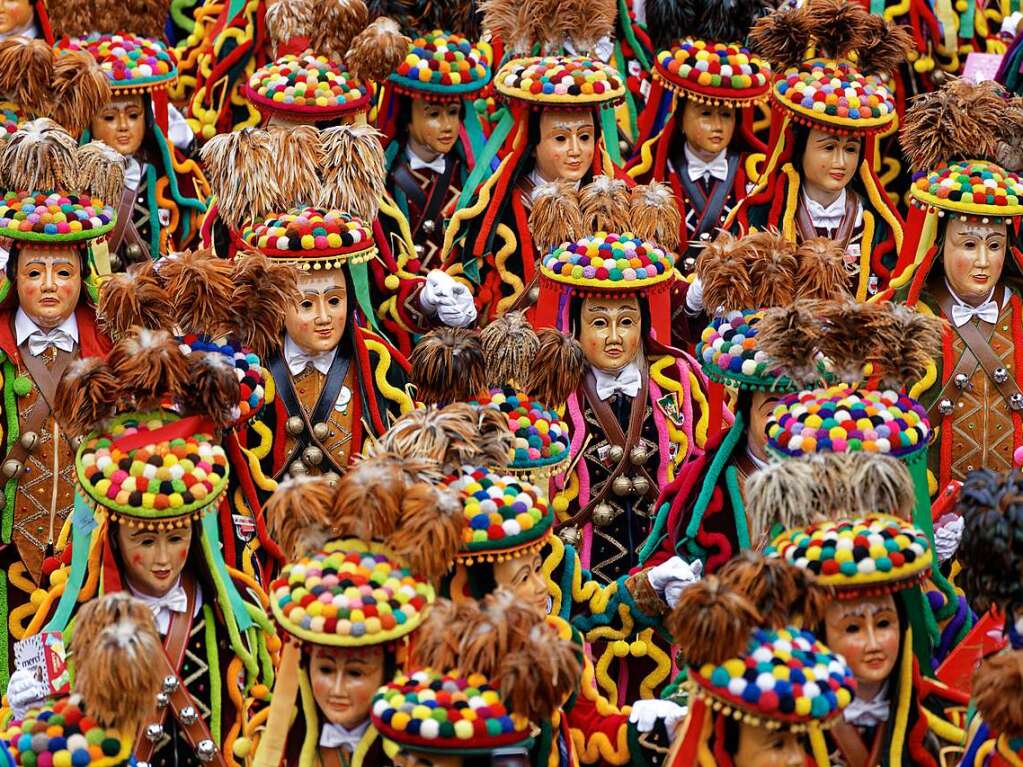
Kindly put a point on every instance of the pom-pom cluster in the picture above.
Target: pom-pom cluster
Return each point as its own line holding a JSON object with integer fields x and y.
{"x": 843, "y": 419}
{"x": 247, "y": 367}
{"x": 62, "y": 735}
{"x": 541, "y": 436}
{"x": 440, "y": 61}
{"x": 349, "y": 594}
{"x": 836, "y": 92}
{"x": 53, "y": 216}
{"x": 573, "y": 79}
{"x": 500, "y": 511}
{"x": 729, "y": 349}
{"x": 966, "y": 185}
{"x": 309, "y": 231}
{"x": 709, "y": 68}
{"x": 126, "y": 60}
{"x": 609, "y": 261}
{"x": 307, "y": 83}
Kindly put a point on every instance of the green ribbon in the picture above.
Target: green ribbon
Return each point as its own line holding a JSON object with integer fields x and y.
{"x": 83, "y": 524}
{"x": 609, "y": 126}
{"x": 215, "y": 558}
{"x": 360, "y": 281}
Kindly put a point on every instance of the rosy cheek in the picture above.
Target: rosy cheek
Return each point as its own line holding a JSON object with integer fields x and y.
{"x": 136, "y": 559}
{"x": 183, "y": 555}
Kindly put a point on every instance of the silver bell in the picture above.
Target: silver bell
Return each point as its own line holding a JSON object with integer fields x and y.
{"x": 162, "y": 699}
{"x": 688, "y": 264}
{"x": 133, "y": 252}
{"x": 11, "y": 468}
{"x": 206, "y": 750}
{"x": 312, "y": 456}
{"x": 294, "y": 425}
{"x": 429, "y": 225}
{"x": 76, "y": 442}
{"x": 945, "y": 407}
{"x": 641, "y": 485}
{"x": 1016, "y": 401}
{"x": 961, "y": 380}
{"x": 321, "y": 431}
{"x": 116, "y": 265}
{"x": 622, "y": 486}
{"x": 332, "y": 478}
{"x": 534, "y": 294}
{"x": 29, "y": 440}
{"x": 189, "y": 716}
{"x": 141, "y": 764}
{"x": 420, "y": 250}
{"x": 603, "y": 515}
{"x": 298, "y": 469}
{"x": 616, "y": 453}
{"x": 154, "y": 732}
{"x": 170, "y": 684}
{"x": 1001, "y": 375}
{"x": 569, "y": 535}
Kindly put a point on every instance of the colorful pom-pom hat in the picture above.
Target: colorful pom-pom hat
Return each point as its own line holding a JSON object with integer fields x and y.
{"x": 714, "y": 73}
{"x": 566, "y": 82}
{"x": 131, "y": 64}
{"x": 311, "y": 238}
{"x": 785, "y": 679}
{"x": 442, "y": 66}
{"x": 252, "y": 376}
{"x": 156, "y": 469}
{"x": 63, "y": 735}
{"x": 446, "y": 713}
{"x": 541, "y": 436}
{"x": 969, "y": 189}
{"x": 872, "y": 555}
{"x": 306, "y": 88}
{"x": 505, "y": 516}
{"x": 350, "y": 594}
{"x": 54, "y": 217}
{"x": 834, "y": 96}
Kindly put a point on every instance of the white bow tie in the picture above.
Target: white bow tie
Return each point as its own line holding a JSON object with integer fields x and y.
{"x": 336, "y": 736}
{"x": 299, "y": 360}
{"x": 626, "y": 382}
{"x": 41, "y": 340}
{"x": 716, "y": 168}
{"x": 174, "y": 601}
{"x": 963, "y": 313}
{"x": 437, "y": 164}
{"x": 868, "y": 713}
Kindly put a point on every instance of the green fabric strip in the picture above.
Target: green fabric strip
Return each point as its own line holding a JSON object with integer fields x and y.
{"x": 83, "y": 523}
{"x": 360, "y": 281}
{"x": 216, "y": 559}
{"x": 609, "y": 126}
{"x": 213, "y": 661}
{"x": 486, "y": 156}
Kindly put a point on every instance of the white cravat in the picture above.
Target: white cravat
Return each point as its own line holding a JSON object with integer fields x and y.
{"x": 174, "y": 601}
{"x": 337, "y": 736}
{"x": 298, "y": 359}
{"x": 700, "y": 168}
{"x": 963, "y": 312}
{"x": 829, "y": 217}
{"x": 626, "y": 381}
{"x": 869, "y": 713}
{"x": 30, "y": 31}
{"x": 415, "y": 162}
{"x": 64, "y": 336}
{"x": 133, "y": 174}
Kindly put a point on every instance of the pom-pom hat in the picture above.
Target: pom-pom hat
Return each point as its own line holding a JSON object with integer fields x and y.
{"x": 615, "y": 264}
{"x": 64, "y": 734}
{"x": 446, "y": 713}
{"x": 715, "y": 73}
{"x": 971, "y": 189}
{"x": 566, "y": 82}
{"x": 835, "y": 96}
{"x": 131, "y": 64}
{"x": 441, "y": 66}
{"x": 730, "y": 354}
{"x": 312, "y": 238}
{"x": 54, "y": 217}
{"x": 306, "y": 88}
{"x": 541, "y": 436}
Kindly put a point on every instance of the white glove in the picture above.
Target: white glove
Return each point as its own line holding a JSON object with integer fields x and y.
{"x": 23, "y": 692}
{"x": 447, "y": 299}
{"x": 645, "y": 714}
{"x": 946, "y": 539}
{"x": 674, "y": 577}
{"x": 1011, "y": 23}
{"x": 694, "y": 297}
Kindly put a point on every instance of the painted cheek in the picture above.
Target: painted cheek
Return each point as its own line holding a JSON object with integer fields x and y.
{"x": 136, "y": 559}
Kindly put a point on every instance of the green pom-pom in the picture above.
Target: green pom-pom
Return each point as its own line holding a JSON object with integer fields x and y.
{"x": 22, "y": 385}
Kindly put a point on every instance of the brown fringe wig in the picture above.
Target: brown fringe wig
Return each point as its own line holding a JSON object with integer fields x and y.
{"x": 998, "y": 693}
{"x": 585, "y": 22}
{"x": 201, "y": 286}
{"x": 509, "y": 643}
{"x": 134, "y": 299}
{"x": 242, "y": 172}
{"x": 114, "y": 643}
{"x": 80, "y": 90}
{"x": 555, "y": 217}
{"x": 783, "y": 494}
{"x": 377, "y": 50}
{"x": 838, "y": 27}
{"x": 448, "y": 366}
{"x": 558, "y": 368}
{"x": 886, "y": 44}
{"x": 878, "y": 483}
{"x": 262, "y": 293}
{"x": 335, "y": 25}
{"x": 298, "y": 152}
{"x": 40, "y": 156}
{"x": 821, "y": 271}
{"x": 917, "y": 342}
{"x": 26, "y": 73}
{"x": 782, "y": 37}
{"x": 298, "y": 515}
{"x": 353, "y": 170}
{"x": 782, "y": 593}
{"x": 150, "y": 368}
{"x": 101, "y": 170}
{"x": 790, "y": 337}
{"x": 287, "y": 20}
{"x": 604, "y": 205}
{"x": 961, "y": 120}
{"x": 722, "y": 268}
{"x": 654, "y": 215}
{"x": 85, "y": 396}
{"x": 711, "y": 622}
{"x": 213, "y": 389}
{"x": 509, "y": 346}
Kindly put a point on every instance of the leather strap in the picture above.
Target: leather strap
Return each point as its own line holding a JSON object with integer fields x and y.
{"x": 46, "y": 380}
{"x": 714, "y": 203}
{"x": 124, "y": 228}
{"x": 331, "y": 757}
{"x": 170, "y": 661}
{"x": 854, "y": 749}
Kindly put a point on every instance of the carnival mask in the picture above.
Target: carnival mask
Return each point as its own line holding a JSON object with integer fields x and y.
{"x": 344, "y": 680}
{"x": 434, "y": 126}
{"x": 567, "y": 142}
{"x": 317, "y": 322}
{"x": 973, "y": 256}
{"x": 708, "y": 128}
{"x": 14, "y": 15}
{"x": 867, "y": 634}
{"x": 121, "y": 124}
{"x": 610, "y": 332}
{"x": 761, "y": 406}
{"x": 49, "y": 282}
{"x": 153, "y": 559}
{"x": 523, "y": 576}
{"x": 760, "y": 747}
{"x": 829, "y": 164}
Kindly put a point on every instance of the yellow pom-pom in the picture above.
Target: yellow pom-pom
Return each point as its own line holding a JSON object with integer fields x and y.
{"x": 391, "y": 282}
{"x": 242, "y": 748}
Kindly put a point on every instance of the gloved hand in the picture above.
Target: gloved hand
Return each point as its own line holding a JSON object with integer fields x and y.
{"x": 22, "y": 693}
{"x": 947, "y": 537}
{"x": 645, "y": 714}
{"x": 1011, "y": 23}
{"x": 447, "y": 299}
{"x": 674, "y": 577}
{"x": 694, "y": 297}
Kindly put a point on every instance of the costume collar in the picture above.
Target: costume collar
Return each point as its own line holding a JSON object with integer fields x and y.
{"x": 869, "y": 713}
{"x": 830, "y": 217}
{"x": 24, "y": 326}
{"x": 30, "y": 30}
{"x": 716, "y": 167}
{"x": 298, "y": 359}
{"x": 625, "y": 381}
{"x": 417, "y": 162}
{"x": 163, "y": 608}
{"x": 338, "y": 736}
{"x": 987, "y": 310}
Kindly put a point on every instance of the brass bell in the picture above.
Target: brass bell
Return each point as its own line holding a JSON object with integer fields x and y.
{"x": 603, "y": 515}
{"x": 534, "y": 294}
{"x": 116, "y": 265}
{"x": 641, "y": 485}
{"x": 321, "y": 431}
{"x": 170, "y": 683}
{"x": 294, "y": 426}
{"x": 945, "y": 407}
{"x": 29, "y": 440}
{"x": 1001, "y": 375}
{"x": 206, "y": 750}
{"x": 76, "y": 442}
{"x": 688, "y": 265}
{"x": 938, "y": 77}
{"x": 12, "y": 468}
{"x": 622, "y": 486}
{"x": 189, "y": 716}
{"x": 961, "y": 380}
{"x": 638, "y": 455}
{"x": 133, "y": 252}
{"x": 616, "y": 453}
{"x": 332, "y": 478}
{"x": 569, "y": 535}
{"x": 154, "y": 732}
{"x": 1016, "y": 401}
{"x": 312, "y": 456}
{"x": 298, "y": 469}
{"x": 429, "y": 225}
